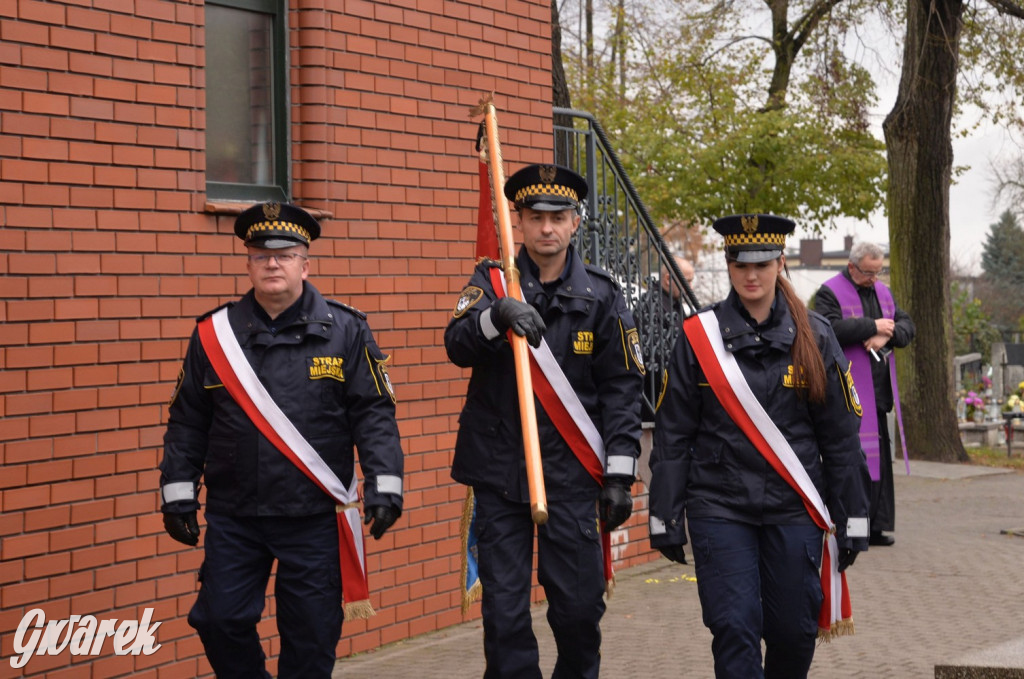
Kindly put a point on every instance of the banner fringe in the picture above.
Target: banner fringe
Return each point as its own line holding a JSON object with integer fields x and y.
{"x": 470, "y": 594}
{"x": 359, "y": 610}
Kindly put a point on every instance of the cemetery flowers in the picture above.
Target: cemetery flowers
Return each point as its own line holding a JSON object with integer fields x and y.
{"x": 975, "y": 404}
{"x": 1015, "y": 401}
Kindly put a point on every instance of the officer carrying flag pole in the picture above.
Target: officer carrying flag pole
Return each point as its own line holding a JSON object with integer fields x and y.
{"x": 586, "y": 373}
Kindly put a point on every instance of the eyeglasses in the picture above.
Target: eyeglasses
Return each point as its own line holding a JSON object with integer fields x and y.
{"x": 283, "y": 258}
{"x": 870, "y": 274}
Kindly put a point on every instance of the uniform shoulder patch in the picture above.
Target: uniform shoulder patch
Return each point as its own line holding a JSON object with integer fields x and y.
{"x": 351, "y": 309}
{"x": 470, "y": 296}
{"x": 634, "y": 350}
{"x": 211, "y": 312}
{"x": 177, "y": 386}
{"x": 380, "y": 374}
{"x": 850, "y": 391}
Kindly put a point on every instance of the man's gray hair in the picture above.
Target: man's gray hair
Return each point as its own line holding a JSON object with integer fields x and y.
{"x": 865, "y": 249}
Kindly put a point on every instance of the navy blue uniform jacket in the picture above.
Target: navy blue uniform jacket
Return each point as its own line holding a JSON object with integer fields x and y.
{"x": 592, "y": 336}
{"x": 704, "y": 466}
{"x": 321, "y": 365}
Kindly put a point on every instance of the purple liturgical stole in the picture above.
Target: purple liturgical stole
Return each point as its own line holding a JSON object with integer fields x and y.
{"x": 860, "y": 368}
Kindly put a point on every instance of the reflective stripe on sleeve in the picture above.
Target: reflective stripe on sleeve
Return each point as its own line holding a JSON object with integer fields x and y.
{"x": 180, "y": 490}
{"x": 389, "y": 484}
{"x": 487, "y": 325}
{"x": 857, "y": 527}
{"x": 621, "y": 465}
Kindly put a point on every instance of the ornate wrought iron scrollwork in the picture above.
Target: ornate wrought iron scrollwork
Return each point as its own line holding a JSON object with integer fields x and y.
{"x": 619, "y": 235}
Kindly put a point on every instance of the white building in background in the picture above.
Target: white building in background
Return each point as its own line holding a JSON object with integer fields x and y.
{"x": 810, "y": 265}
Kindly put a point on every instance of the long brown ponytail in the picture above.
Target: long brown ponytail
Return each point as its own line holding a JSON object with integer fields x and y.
{"x": 808, "y": 368}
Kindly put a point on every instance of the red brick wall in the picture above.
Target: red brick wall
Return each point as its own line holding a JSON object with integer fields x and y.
{"x": 108, "y": 250}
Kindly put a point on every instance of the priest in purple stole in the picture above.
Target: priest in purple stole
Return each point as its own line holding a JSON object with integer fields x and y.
{"x": 869, "y": 326}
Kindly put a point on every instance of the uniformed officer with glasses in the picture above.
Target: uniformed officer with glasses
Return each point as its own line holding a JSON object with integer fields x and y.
{"x": 319, "y": 363}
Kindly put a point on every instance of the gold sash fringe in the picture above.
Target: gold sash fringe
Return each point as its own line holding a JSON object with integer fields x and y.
{"x": 843, "y": 628}
{"x": 359, "y": 609}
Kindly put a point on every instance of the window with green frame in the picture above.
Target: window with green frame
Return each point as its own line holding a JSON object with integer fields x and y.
{"x": 246, "y": 100}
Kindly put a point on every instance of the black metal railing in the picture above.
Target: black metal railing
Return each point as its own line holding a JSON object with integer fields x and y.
{"x": 618, "y": 235}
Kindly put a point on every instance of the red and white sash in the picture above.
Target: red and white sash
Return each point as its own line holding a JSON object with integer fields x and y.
{"x": 730, "y": 387}
{"x": 561, "y": 403}
{"x": 233, "y": 369}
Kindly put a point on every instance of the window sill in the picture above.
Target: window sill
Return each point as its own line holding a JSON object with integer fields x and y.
{"x": 236, "y": 208}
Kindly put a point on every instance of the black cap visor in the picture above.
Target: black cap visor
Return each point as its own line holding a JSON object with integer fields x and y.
{"x": 549, "y": 204}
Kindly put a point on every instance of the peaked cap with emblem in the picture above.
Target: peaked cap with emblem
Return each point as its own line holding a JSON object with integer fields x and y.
{"x": 547, "y": 188}
{"x": 754, "y": 238}
{"x": 276, "y": 225}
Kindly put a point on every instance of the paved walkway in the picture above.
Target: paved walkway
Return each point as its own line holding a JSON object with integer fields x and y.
{"x": 951, "y": 586}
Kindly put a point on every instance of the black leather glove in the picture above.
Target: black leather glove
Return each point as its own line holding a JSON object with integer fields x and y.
{"x": 383, "y": 517}
{"x": 183, "y": 527}
{"x": 846, "y": 558}
{"x": 522, "y": 318}
{"x": 616, "y": 504}
{"x": 674, "y": 553}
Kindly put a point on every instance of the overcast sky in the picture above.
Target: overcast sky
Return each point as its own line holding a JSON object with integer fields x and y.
{"x": 971, "y": 211}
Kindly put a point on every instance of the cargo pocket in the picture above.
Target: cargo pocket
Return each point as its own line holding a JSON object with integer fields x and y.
{"x": 812, "y": 583}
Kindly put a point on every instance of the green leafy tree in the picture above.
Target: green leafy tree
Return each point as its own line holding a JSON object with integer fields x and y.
{"x": 973, "y": 330}
{"x": 692, "y": 96}
{"x": 709, "y": 123}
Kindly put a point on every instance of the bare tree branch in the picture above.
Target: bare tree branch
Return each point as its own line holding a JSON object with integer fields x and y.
{"x": 805, "y": 25}
{"x": 786, "y": 43}
{"x": 1008, "y": 7}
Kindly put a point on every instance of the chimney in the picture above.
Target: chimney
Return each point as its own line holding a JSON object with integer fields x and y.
{"x": 810, "y": 252}
{"x": 847, "y": 243}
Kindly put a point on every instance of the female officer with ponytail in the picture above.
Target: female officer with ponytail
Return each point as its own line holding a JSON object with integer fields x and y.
{"x": 756, "y": 448}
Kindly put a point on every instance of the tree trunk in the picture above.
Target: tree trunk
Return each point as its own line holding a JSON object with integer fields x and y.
{"x": 589, "y": 37}
{"x": 920, "y": 155}
{"x": 620, "y": 46}
{"x": 559, "y": 85}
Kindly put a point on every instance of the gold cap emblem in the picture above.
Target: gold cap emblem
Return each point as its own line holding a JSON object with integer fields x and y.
{"x": 547, "y": 173}
{"x": 749, "y": 223}
{"x": 271, "y": 210}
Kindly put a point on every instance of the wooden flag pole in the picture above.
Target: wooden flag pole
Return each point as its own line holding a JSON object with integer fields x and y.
{"x": 520, "y": 349}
